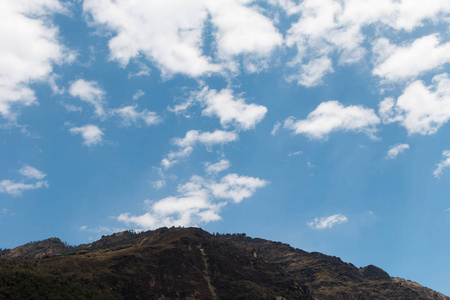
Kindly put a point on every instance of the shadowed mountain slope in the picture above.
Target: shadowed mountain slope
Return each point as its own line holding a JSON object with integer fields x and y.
{"x": 189, "y": 263}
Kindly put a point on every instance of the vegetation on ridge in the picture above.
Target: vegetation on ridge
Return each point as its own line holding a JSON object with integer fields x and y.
{"x": 189, "y": 263}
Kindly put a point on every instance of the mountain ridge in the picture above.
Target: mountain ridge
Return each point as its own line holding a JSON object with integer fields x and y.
{"x": 189, "y": 263}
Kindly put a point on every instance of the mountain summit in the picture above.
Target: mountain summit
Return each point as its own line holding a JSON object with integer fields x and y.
{"x": 189, "y": 263}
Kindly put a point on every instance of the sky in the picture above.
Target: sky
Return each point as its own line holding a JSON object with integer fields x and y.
{"x": 318, "y": 123}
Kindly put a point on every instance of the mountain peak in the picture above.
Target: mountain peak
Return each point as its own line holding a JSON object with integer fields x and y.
{"x": 190, "y": 263}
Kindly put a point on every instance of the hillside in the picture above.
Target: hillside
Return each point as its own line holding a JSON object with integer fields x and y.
{"x": 189, "y": 263}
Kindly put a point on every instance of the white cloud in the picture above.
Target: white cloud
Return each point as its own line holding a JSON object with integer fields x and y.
{"x": 159, "y": 184}
{"x": 445, "y": 163}
{"x": 242, "y": 29}
{"x": 30, "y": 48}
{"x": 90, "y": 92}
{"x": 194, "y": 137}
{"x": 320, "y": 32}
{"x": 91, "y": 134}
{"x": 311, "y": 74}
{"x": 182, "y": 107}
{"x": 100, "y": 229}
{"x": 174, "y": 157}
{"x": 170, "y": 33}
{"x": 32, "y": 173}
{"x": 295, "y": 153}
{"x": 138, "y": 94}
{"x": 237, "y": 187}
{"x": 144, "y": 70}
{"x": 229, "y": 109}
{"x": 130, "y": 116}
{"x": 16, "y": 188}
{"x": 411, "y": 13}
{"x": 332, "y": 116}
{"x": 395, "y": 150}
{"x": 328, "y": 222}
{"x": 420, "y": 109}
{"x": 289, "y": 6}
{"x": 72, "y": 108}
{"x": 400, "y": 63}
{"x": 335, "y": 28}
{"x": 218, "y": 167}
{"x": 199, "y": 201}
{"x": 276, "y": 127}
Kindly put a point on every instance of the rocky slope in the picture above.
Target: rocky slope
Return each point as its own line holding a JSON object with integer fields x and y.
{"x": 189, "y": 263}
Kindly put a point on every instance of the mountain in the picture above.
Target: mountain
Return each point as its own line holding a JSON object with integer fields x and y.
{"x": 189, "y": 263}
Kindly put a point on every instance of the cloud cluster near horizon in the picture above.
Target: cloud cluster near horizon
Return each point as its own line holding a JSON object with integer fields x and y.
{"x": 198, "y": 202}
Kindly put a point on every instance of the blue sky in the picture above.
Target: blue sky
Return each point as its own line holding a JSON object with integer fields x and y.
{"x": 322, "y": 124}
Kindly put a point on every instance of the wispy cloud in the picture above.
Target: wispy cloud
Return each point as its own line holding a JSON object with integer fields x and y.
{"x": 295, "y": 153}
{"x": 138, "y": 94}
{"x": 445, "y": 163}
{"x": 130, "y": 115}
{"x": 193, "y": 137}
{"x": 395, "y": 150}
{"x": 327, "y": 222}
{"x": 218, "y": 167}
{"x": 276, "y": 127}
{"x": 17, "y": 188}
{"x": 31, "y": 172}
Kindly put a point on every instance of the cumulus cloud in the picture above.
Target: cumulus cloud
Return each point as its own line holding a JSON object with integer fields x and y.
{"x": 130, "y": 115}
{"x": 229, "y": 109}
{"x": 218, "y": 167}
{"x": 30, "y": 48}
{"x": 400, "y": 63}
{"x": 198, "y": 201}
{"x": 32, "y": 173}
{"x": 236, "y": 187}
{"x": 420, "y": 109}
{"x": 332, "y": 116}
{"x": 333, "y": 28}
{"x": 90, "y": 92}
{"x": 327, "y": 222}
{"x": 445, "y": 163}
{"x": 170, "y": 33}
{"x": 395, "y": 150}
{"x": 91, "y": 134}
